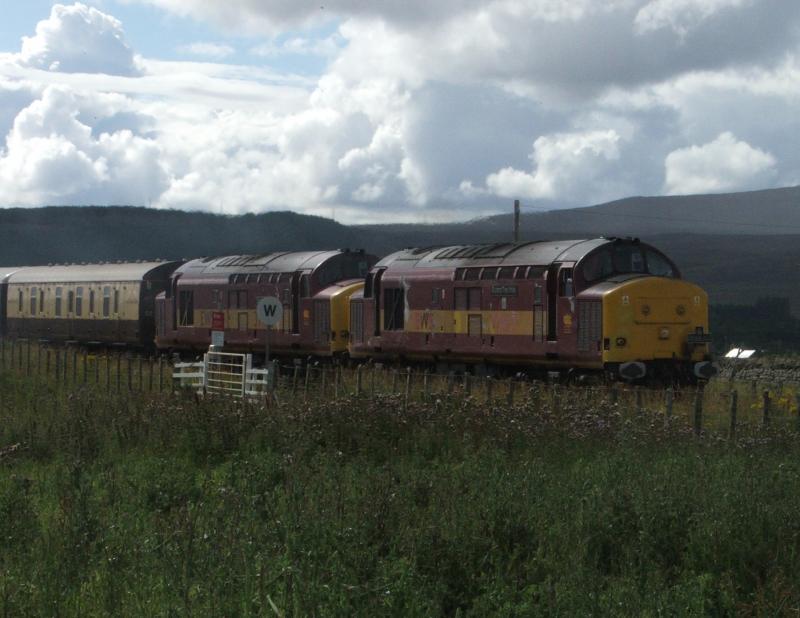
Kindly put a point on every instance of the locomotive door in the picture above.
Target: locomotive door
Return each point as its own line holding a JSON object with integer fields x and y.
{"x": 560, "y": 302}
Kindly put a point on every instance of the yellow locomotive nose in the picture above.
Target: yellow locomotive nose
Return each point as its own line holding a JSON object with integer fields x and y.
{"x": 654, "y": 320}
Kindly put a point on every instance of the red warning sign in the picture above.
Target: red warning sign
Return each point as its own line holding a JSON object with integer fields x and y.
{"x": 218, "y": 320}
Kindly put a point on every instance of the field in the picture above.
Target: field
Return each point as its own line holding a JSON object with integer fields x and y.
{"x": 566, "y": 501}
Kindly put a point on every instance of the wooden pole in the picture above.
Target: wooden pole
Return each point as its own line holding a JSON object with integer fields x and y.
{"x": 119, "y": 372}
{"x": 670, "y": 402}
{"x": 295, "y": 378}
{"x": 408, "y": 384}
{"x": 305, "y": 383}
{"x": 28, "y": 358}
{"x": 150, "y": 373}
{"x": 160, "y": 373}
{"x": 129, "y": 366}
{"x": 358, "y": 380}
{"x": 489, "y": 389}
{"x": 511, "y": 386}
{"x": 698, "y": 411}
{"x": 467, "y": 385}
{"x": 75, "y": 366}
{"x": 639, "y": 401}
{"x": 734, "y": 404}
{"x": 425, "y": 386}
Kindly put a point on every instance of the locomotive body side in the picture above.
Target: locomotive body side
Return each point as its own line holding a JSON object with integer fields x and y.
{"x": 220, "y": 294}
{"x": 562, "y": 305}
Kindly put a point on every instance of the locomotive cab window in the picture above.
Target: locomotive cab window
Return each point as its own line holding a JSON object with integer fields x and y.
{"x": 565, "y": 285}
{"x": 394, "y": 309}
{"x": 658, "y": 265}
{"x": 186, "y": 304}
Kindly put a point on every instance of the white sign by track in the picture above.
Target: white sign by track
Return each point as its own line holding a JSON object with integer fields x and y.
{"x": 269, "y": 310}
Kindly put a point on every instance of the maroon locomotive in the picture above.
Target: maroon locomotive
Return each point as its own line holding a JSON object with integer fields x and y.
{"x": 220, "y": 294}
{"x": 610, "y": 304}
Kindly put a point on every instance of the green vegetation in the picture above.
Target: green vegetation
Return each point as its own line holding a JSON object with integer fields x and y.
{"x": 150, "y": 504}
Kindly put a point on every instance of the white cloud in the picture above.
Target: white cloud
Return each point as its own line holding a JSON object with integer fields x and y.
{"x": 725, "y": 164}
{"x": 218, "y": 51}
{"x": 681, "y": 15}
{"x": 301, "y": 46}
{"x": 53, "y": 158}
{"x": 79, "y": 39}
{"x": 565, "y": 164}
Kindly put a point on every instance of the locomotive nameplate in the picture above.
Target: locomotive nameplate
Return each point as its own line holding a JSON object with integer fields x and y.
{"x": 504, "y": 290}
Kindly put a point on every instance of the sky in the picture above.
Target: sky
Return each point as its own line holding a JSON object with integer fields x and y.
{"x": 386, "y": 111}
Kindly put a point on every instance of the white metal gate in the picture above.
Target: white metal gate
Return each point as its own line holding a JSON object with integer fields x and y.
{"x": 224, "y": 373}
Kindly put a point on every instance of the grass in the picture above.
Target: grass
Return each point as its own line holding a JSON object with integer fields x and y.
{"x": 159, "y": 504}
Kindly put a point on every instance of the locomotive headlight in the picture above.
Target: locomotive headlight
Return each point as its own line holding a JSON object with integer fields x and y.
{"x": 621, "y": 341}
{"x": 663, "y": 333}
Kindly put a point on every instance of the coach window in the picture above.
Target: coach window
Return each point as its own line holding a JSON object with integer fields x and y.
{"x": 58, "y": 301}
{"x": 34, "y": 294}
{"x": 186, "y": 315}
{"x": 394, "y": 309}
{"x": 20, "y": 302}
{"x": 78, "y": 301}
{"x": 116, "y": 300}
{"x": 106, "y": 301}
{"x": 70, "y": 301}
{"x": 91, "y": 302}
{"x": 41, "y": 300}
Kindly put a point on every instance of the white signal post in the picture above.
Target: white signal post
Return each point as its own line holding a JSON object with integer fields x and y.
{"x": 269, "y": 311}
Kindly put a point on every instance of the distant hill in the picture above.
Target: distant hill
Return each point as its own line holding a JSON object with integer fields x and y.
{"x": 739, "y": 246}
{"x": 767, "y": 212}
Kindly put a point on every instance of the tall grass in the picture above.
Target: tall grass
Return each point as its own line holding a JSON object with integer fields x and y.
{"x": 138, "y": 504}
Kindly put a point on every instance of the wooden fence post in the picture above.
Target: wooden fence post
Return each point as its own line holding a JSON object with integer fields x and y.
{"x": 467, "y": 385}
{"x": 295, "y": 378}
{"x": 322, "y": 383}
{"x": 160, "y": 373}
{"x": 358, "y": 380}
{"x": 765, "y": 408}
{"x": 489, "y": 389}
{"x": 119, "y": 372}
{"x": 425, "y": 386}
{"x": 614, "y": 394}
{"x": 639, "y": 401}
{"x": 129, "y": 366}
{"x": 394, "y": 381}
{"x": 58, "y": 364}
{"x": 451, "y": 382}
{"x": 698, "y": 411}
{"x": 28, "y": 358}
{"x": 670, "y": 398}
{"x": 307, "y": 377}
{"x": 96, "y": 369}
{"x": 75, "y": 366}
{"x": 408, "y": 385}
{"x": 511, "y": 386}
{"x": 734, "y": 405}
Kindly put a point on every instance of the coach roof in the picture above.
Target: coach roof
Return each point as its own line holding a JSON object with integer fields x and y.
{"x": 539, "y": 253}
{"x": 87, "y": 273}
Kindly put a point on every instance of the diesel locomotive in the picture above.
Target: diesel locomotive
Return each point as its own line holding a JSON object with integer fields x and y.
{"x": 606, "y": 305}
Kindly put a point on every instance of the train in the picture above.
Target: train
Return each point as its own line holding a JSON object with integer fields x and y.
{"x": 616, "y": 307}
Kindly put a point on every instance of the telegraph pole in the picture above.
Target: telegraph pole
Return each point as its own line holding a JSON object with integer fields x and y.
{"x": 516, "y": 220}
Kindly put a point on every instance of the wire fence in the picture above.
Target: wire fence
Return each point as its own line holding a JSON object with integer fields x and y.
{"x": 719, "y": 405}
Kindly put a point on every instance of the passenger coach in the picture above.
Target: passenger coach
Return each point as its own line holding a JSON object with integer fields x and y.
{"x": 220, "y": 294}
{"x": 89, "y": 303}
{"x": 617, "y": 305}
